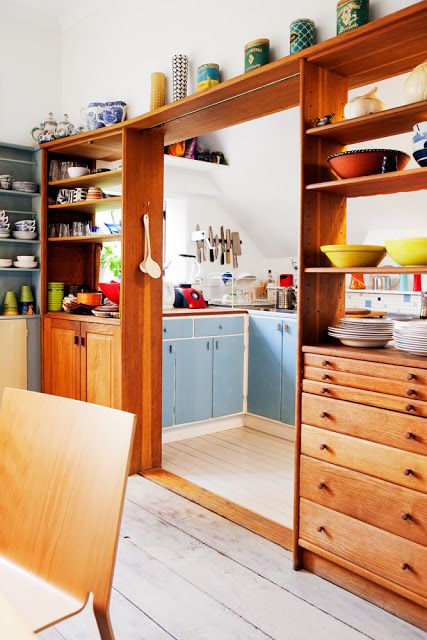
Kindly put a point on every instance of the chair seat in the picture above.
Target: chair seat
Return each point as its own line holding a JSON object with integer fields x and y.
{"x": 38, "y": 603}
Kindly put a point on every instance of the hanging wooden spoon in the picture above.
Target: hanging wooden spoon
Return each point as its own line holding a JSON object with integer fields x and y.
{"x": 148, "y": 265}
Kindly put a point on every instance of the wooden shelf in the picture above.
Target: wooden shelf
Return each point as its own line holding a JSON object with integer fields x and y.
{"x": 62, "y": 315}
{"x": 88, "y": 206}
{"x": 104, "y": 179}
{"x": 387, "y": 270}
{"x": 388, "y": 355}
{"x": 96, "y": 238}
{"x": 382, "y": 183}
{"x": 377, "y": 125}
{"x": 101, "y": 144}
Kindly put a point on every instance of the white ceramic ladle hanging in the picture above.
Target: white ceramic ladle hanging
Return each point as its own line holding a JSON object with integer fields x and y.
{"x": 148, "y": 265}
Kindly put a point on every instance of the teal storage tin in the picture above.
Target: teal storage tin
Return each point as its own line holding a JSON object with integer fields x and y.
{"x": 207, "y": 76}
{"x": 351, "y": 14}
{"x": 302, "y": 35}
{"x": 257, "y": 53}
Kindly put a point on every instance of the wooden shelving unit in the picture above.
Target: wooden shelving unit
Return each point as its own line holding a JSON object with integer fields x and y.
{"x": 377, "y": 125}
{"x": 88, "y": 206}
{"x": 102, "y": 179}
{"x": 385, "y": 270}
{"x": 96, "y": 238}
{"x": 383, "y": 183}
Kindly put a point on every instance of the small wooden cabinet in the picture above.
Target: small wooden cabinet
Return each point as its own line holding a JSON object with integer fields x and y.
{"x": 82, "y": 361}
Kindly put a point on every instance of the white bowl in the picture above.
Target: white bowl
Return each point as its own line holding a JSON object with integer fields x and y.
{"x": 78, "y": 172}
{"x": 25, "y": 265}
{"x": 26, "y": 258}
{"x": 5, "y": 262}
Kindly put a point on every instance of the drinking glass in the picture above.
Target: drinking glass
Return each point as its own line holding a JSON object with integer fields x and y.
{"x": 77, "y": 229}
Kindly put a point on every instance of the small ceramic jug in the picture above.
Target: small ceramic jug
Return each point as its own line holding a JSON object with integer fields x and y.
{"x": 92, "y": 115}
{"x": 65, "y": 128}
{"x": 46, "y": 131}
{"x": 113, "y": 112}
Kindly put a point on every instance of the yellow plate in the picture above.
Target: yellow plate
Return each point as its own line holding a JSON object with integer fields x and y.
{"x": 354, "y": 255}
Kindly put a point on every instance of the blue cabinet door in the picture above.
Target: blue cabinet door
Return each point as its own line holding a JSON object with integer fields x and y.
{"x": 289, "y": 363}
{"x": 228, "y": 360}
{"x": 265, "y": 366}
{"x": 193, "y": 380}
{"x": 168, "y": 384}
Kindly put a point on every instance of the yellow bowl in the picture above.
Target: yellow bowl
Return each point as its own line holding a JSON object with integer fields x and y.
{"x": 408, "y": 252}
{"x": 354, "y": 255}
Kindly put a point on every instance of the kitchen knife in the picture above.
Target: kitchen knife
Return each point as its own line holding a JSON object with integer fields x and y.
{"x": 211, "y": 244}
{"x": 237, "y": 249}
{"x": 228, "y": 246}
{"x": 198, "y": 245}
{"x": 216, "y": 243}
{"x": 222, "y": 240}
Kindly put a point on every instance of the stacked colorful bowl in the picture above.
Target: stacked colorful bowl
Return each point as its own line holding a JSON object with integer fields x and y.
{"x": 26, "y": 300}
{"x": 55, "y": 295}
{"x": 10, "y": 304}
{"x": 95, "y": 193}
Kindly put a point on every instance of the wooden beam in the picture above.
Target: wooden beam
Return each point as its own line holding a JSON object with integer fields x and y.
{"x": 141, "y": 295}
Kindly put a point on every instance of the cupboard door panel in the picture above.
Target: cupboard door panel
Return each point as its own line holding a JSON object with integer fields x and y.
{"x": 168, "y": 384}
{"x": 406, "y": 469}
{"x": 289, "y": 364}
{"x": 62, "y": 358}
{"x": 193, "y": 370}
{"x": 382, "y": 553}
{"x": 381, "y": 504}
{"x": 265, "y": 367}
{"x": 100, "y": 367}
{"x": 228, "y": 375}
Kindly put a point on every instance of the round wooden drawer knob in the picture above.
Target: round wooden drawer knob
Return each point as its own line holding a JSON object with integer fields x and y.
{"x": 406, "y": 516}
{"x": 325, "y": 376}
{"x": 411, "y": 392}
{"x": 408, "y": 472}
{"x": 323, "y": 447}
{"x": 411, "y": 376}
{"x": 321, "y": 529}
{"x": 323, "y": 414}
{"x": 405, "y": 566}
{"x": 324, "y": 391}
{"x": 325, "y": 363}
{"x": 410, "y": 436}
{"x": 322, "y": 485}
{"x": 409, "y": 407}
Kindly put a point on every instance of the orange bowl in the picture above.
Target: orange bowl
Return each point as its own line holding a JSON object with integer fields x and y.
{"x": 91, "y": 298}
{"x": 367, "y": 162}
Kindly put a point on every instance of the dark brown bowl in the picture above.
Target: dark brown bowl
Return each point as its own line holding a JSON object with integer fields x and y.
{"x": 367, "y": 162}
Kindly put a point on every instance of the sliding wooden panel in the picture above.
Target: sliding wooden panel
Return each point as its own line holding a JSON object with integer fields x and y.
{"x": 141, "y": 295}
{"x": 323, "y": 218}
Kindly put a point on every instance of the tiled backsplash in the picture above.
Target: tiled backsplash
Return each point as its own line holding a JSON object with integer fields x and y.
{"x": 391, "y": 301}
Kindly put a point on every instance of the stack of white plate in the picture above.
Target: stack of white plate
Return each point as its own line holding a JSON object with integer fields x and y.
{"x": 30, "y": 187}
{"x": 363, "y": 332}
{"x": 411, "y": 337}
{"x": 24, "y": 235}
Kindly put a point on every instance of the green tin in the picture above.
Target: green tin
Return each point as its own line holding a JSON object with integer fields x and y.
{"x": 351, "y": 14}
{"x": 302, "y": 35}
{"x": 257, "y": 54}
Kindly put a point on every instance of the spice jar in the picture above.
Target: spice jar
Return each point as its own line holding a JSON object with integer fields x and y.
{"x": 257, "y": 53}
{"x": 302, "y": 35}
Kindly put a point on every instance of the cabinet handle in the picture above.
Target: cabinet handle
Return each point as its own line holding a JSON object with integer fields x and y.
{"x": 170, "y": 348}
{"x": 220, "y": 327}
{"x": 323, "y": 447}
{"x": 411, "y": 392}
{"x": 286, "y": 328}
{"x": 279, "y": 327}
{"x": 82, "y": 342}
{"x": 406, "y": 516}
{"x": 324, "y": 391}
{"x": 411, "y": 376}
{"x": 322, "y": 485}
{"x": 325, "y": 363}
{"x": 323, "y": 414}
{"x": 164, "y": 330}
{"x": 321, "y": 529}
{"x": 409, "y": 407}
{"x": 208, "y": 345}
{"x": 216, "y": 345}
{"x": 405, "y": 566}
{"x": 410, "y": 436}
{"x": 325, "y": 376}
{"x": 76, "y": 339}
{"x": 408, "y": 472}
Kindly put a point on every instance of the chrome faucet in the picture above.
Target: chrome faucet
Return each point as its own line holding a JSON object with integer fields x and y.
{"x": 423, "y": 310}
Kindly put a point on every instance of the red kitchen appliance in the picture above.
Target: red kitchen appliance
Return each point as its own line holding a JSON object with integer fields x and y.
{"x": 286, "y": 280}
{"x": 189, "y": 298}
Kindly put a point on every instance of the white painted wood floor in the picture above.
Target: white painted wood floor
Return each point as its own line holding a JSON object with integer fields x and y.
{"x": 249, "y": 467}
{"x": 188, "y": 574}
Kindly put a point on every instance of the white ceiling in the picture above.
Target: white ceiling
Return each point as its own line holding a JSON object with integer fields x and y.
{"x": 64, "y": 12}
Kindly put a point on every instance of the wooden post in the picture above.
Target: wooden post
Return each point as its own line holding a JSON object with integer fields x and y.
{"x": 141, "y": 295}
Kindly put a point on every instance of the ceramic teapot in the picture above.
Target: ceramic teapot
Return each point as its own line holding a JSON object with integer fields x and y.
{"x": 46, "y": 131}
{"x": 65, "y": 128}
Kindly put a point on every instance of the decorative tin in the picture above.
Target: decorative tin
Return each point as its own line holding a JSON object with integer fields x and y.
{"x": 351, "y": 14}
{"x": 179, "y": 76}
{"x": 257, "y": 54}
{"x": 207, "y": 76}
{"x": 302, "y": 34}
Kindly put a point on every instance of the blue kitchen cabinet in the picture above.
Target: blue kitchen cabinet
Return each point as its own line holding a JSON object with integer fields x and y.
{"x": 265, "y": 366}
{"x": 228, "y": 361}
{"x": 168, "y": 382}
{"x": 272, "y": 367}
{"x": 193, "y": 380}
{"x": 289, "y": 365}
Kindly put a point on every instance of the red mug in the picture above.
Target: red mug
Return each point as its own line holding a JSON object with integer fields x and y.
{"x": 286, "y": 280}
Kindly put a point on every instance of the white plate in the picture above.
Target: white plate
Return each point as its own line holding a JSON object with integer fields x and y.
{"x": 352, "y": 342}
{"x": 24, "y": 265}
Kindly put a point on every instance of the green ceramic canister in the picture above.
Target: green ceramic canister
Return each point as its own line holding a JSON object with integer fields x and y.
{"x": 207, "y": 76}
{"x": 351, "y": 14}
{"x": 302, "y": 35}
{"x": 257, "y": 53}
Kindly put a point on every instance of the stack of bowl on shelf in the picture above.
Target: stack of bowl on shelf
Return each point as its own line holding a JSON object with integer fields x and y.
{"x": 25, "y": 230}
{"x": 10, "y": 304}
{"x": 25, "y": 185}
{"x": 25, "y": 262}
{"x": 362, "y": 332}
{"x": 419, "y": 143}
{"x": 411, "y": 337}
{"x": 55, "y": 295}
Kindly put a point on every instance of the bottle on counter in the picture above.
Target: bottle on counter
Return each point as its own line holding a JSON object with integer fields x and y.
{"x": 269, "y": 276}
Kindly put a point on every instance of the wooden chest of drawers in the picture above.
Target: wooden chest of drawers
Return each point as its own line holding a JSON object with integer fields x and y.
{"x": 363, "y": 466}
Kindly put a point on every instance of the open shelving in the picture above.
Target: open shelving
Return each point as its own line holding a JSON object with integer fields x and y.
{"x": 102, "y": 179}
{"x": 88, "y": 206}
{"x": 374, "y": 185}
{"x": 96, "y": 238}
{"x": 385, "y": 270}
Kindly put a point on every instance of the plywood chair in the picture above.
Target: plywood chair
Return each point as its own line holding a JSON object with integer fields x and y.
{"x": 63, "y": 471}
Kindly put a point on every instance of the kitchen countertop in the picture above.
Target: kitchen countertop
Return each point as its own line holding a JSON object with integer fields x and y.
{"x": 209, "y": 311}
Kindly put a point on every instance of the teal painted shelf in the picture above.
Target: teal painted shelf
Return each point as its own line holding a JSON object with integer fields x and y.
{"x": 31, "y": 162}
{"x": 12, "y": 192}
{"x": 16, "y": 270}
{"x": 16, "y": 241}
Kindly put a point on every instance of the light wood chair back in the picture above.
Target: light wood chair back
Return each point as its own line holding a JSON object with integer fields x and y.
{"x": 63, "y": 471}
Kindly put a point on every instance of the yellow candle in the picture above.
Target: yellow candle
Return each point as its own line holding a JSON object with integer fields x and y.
{"x": 158, "y": 90}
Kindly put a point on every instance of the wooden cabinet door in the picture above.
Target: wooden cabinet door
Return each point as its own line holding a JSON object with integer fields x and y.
{"x": 100, "y": 346}
{"x": 228, "y": 361}
{"x": 61, "y": 351}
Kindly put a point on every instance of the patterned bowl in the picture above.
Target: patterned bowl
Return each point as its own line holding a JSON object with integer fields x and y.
{"x": 367, "y": 162}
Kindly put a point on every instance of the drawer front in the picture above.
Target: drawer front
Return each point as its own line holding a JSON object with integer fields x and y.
{"x": 182, "y": 328}
{"x": 372, "y": 369}
{"x": 406, "y": 469}
{"x": 409, "y": 391}
{"x": 218, "y": 326}
{"x": 382, "y": 553}
{"x": 381, "y": 504}
{"x": 379, "y": 425}
{"x": 370, "y": 398}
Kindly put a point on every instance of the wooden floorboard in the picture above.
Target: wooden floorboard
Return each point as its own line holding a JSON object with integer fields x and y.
{"x": 185, "y": 573}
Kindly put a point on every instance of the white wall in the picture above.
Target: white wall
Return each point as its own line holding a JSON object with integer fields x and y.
{"x": 30, "y": 76}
